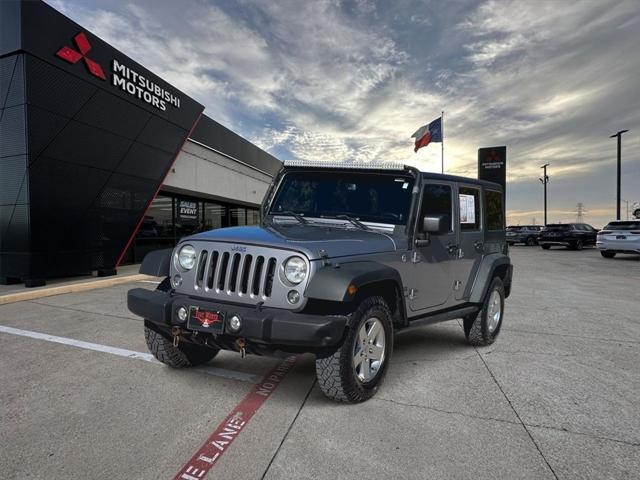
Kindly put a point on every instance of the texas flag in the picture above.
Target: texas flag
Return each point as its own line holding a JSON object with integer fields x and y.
{"x": 428, "y": 133}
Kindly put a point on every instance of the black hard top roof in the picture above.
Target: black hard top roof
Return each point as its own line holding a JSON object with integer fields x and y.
{"x": 384, "y": 167}
{"x": 458, "y": 179}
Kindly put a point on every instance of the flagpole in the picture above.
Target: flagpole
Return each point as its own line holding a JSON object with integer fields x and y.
{"x": 442, "y": 132}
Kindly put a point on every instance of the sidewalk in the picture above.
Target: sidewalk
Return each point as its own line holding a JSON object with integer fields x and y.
{"x": 18, "y": 292}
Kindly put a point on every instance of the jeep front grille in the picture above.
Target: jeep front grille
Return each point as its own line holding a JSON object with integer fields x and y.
{"x": 248, "y": 274}
{"x": 242, "y": 274}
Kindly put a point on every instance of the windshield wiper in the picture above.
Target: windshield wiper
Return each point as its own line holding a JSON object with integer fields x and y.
{"x": 353, "y": 220}
{"x": 297, "y": 216}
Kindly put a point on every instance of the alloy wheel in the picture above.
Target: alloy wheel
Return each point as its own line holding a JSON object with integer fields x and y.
{"x": 369, "y": 350}
{"x": 494, "y": 311}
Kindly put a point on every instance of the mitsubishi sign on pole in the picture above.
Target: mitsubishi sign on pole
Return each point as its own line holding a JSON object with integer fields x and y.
{"x": 492, "y": 164}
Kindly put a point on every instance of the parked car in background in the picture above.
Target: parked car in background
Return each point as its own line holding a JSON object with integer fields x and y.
{"x": 621, "y": 236}
{"x": 575, "y": 236}
{"x": 527, "y": 234}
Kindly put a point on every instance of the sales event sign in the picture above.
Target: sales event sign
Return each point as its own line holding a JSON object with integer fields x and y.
{"x": 187, "y": 210}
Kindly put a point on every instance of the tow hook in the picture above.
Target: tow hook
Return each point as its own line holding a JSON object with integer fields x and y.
{"x": 175, "y": 333}
{"x": 241, "y": 343}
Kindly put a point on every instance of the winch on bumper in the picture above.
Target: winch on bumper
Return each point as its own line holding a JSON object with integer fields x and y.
{"x": 270, "y": 326}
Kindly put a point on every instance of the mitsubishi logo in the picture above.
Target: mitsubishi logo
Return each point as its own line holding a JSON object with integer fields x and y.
{"x": 73, "y": 56}
{"x": 493, "y": 156}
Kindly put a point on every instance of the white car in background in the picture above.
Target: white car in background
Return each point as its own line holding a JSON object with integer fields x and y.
{"x": 620, "y": 236}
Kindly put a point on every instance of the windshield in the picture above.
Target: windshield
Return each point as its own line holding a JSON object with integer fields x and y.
{"x": 559, "y": 227}
{"x": 514, "y": 229}
{"x": 623, "y": 226}
{"x": 368, "y": 197}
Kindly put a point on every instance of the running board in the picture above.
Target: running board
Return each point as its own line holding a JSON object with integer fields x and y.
{"x": 441, "y": 317}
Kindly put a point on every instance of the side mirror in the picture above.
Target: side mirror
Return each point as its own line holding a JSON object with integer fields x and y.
{"x": 431, "y": 225}
{"x": 434, "y": 225}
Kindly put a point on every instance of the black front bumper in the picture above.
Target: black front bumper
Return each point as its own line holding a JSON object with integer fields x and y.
{"x": 270, "y": 326}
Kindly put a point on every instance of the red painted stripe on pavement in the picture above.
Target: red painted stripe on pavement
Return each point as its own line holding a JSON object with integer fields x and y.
{"x": 224, "y": 435}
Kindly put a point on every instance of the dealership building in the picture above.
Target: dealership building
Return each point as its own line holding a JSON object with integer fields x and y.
{"x": 101, "y": 160}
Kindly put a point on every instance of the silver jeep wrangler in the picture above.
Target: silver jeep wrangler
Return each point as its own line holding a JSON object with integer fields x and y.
{"x": 346, "y": 255}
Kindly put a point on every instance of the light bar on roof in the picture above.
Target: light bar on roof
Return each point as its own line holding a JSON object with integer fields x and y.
{"x": 345, "y": 165}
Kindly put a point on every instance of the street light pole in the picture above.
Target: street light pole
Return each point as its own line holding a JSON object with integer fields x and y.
{"x": 545, "y": 180}
{"x": 619, "y": 135}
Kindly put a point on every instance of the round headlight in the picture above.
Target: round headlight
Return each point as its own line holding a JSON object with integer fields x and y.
{"x": 295, "y": 270}
{"x": 187, "y": 257}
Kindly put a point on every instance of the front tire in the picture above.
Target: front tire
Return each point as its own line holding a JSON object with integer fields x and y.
{"x": 354, "y": 372}
{"x": 578, "y": 245}
{"x": 531, "y": 242}
{"x": 607, "y": 253}
{"x": 483, "y": 328}
{"x": 183, "y": 356}
{"x": 545, "y": 246}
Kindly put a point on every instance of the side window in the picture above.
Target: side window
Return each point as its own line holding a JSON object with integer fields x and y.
{"x": 469, "y": 199}
{"x": 495, "y": 214}
{"x": 437, "y": 201}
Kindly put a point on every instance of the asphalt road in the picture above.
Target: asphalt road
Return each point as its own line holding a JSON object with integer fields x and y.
{"x": 556, "y": 397}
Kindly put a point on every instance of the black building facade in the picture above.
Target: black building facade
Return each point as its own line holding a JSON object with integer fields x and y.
{"x": 87, "y": 137}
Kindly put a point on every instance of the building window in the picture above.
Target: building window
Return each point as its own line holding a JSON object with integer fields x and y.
{"x": 172, "y": 217}
{"x": 188, "y": 218}
{"x": 237, "y": 216}
{"x": 157, "y": 228}
{"x": 253, "y": 216}
{"x": 215, "y": 216}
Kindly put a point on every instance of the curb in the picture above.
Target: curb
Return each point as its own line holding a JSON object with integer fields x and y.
{"x": 71, "y": 288}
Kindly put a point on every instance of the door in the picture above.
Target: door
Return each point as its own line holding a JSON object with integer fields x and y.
{"x": 592, "y": 234}
{"x": 581, "y": 232}
{"x": 430, "y": 284}
{"x": 470, "y": 238}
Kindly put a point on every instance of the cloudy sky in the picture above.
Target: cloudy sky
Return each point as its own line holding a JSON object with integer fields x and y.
{"x": 341, "y": 80}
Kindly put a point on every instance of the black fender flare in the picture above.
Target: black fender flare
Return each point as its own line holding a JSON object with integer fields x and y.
{"x": 331, "y": 283}
{"x": 157, "y": 263}
{"x": 485, "y": 274}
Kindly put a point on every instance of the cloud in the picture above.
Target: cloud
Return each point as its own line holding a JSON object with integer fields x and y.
{"x": 338, "y": 80}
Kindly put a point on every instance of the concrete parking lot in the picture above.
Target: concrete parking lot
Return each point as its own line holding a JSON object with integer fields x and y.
{"x": 555, "y": 397}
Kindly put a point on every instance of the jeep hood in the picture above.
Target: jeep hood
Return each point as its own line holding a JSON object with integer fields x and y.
{"x": 309, "y": 239}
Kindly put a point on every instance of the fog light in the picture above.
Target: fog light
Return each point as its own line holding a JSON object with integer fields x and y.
{"x": 235, "y": 323}
{"x": 293, "y": 297}
{"x": 176, "y": 281}
{"x": 182, "y": 314}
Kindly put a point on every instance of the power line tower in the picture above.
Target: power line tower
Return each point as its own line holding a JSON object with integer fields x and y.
{"x": 580, "y": 211}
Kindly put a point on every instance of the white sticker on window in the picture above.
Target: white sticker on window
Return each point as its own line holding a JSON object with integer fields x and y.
{"x": 467, "y": 208}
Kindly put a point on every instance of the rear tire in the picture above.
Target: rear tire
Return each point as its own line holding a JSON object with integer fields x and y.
{"x": 483, "y": 328}
{"x": 369, "y": 337}
{"x": 545, "y": 247}
{"x": 183, "y": 356}
{"x": 607, "y": 253}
